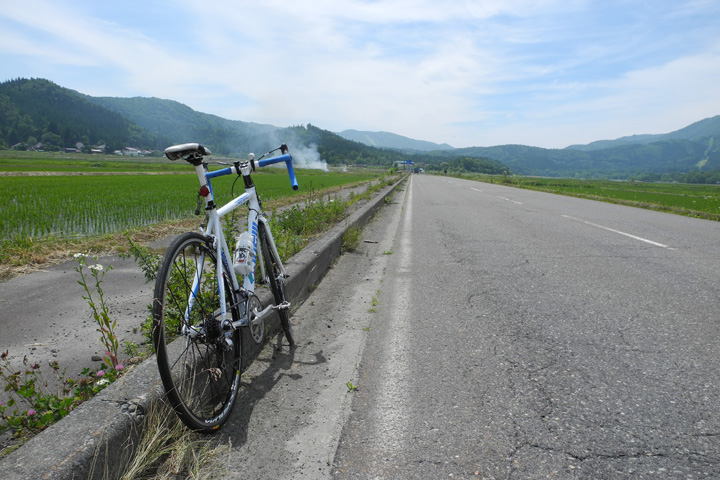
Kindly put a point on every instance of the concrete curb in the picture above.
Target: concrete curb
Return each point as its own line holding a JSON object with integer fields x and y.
{"x": 94, "y": 439}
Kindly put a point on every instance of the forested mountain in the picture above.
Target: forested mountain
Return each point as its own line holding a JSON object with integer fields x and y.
{"x": 180, "y": 123}
{"x": 36, "y": 110}
{"x": 670, "y": 156}
{"x": 698, "y": 131}
{"x": 39, "y": 111}
{"x": 392, "y": 140}
{"x": 689, "y": 154}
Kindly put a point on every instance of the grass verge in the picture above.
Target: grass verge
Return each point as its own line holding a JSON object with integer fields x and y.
{"x": 692, "y": 200}
{"x": 167, "y": 450}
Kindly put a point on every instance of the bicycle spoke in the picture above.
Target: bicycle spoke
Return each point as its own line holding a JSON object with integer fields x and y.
{"x": 199, "y": 369}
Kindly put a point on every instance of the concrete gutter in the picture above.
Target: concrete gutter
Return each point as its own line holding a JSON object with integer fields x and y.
{"x": 95, "y": 439}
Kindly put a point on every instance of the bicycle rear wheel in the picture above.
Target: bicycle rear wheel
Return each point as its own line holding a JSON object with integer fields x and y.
{"x": 199, "y": 364}
{"x": 277, "y": 285}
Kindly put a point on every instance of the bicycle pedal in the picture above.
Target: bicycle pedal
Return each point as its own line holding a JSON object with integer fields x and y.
{"x": 283, "y": 306}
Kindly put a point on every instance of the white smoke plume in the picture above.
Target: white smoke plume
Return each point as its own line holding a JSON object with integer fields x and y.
{"x": 307, "y": 157}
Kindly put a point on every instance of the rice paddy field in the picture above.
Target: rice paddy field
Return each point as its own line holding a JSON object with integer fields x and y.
{"x": 80, "y": 195}
{"x": 694, "y": 200}
{"x": 686, "y": 199}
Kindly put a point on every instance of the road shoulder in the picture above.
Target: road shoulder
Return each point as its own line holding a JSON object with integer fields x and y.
{"x": 290, "y": 415}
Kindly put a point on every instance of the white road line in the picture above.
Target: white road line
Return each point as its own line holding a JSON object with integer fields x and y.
{"x": 508, "y": 200}
{"x": 393, "y": 402}
{"x": 634, "y": 237}
{"x": 471, "y": 188}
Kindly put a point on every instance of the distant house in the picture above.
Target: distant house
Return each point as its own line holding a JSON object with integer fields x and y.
{"x": 130, "y": 152}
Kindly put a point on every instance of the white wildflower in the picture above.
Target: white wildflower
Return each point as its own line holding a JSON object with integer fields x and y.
{"x": 79, "y": 256}
{"x": 97, "y": 267}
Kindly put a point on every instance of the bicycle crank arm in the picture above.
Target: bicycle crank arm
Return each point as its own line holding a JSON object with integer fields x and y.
{"x": 259, "y": 316}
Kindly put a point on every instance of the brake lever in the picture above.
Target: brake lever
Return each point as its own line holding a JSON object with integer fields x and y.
{"x": 283, "y": 149}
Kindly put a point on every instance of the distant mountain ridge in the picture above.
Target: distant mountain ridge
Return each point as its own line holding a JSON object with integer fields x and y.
{"x": 392, "y": 140}
{"x": 682, "y": 154}
{"x": 39, "y": 112}
{"x": 709, "y": 127}
{"x": 168, "y": 118}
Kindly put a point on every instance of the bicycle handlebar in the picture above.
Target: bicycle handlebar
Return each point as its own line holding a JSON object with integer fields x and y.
{"x": 193, "y": 153}
{"x": 282, "y": 158}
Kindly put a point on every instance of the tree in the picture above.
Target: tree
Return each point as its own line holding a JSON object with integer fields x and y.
{"x": 52, "y": 142}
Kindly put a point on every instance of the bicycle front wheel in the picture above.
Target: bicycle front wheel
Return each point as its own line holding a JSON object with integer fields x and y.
{"x": 277, "y": 285}
{"x": 199, "y": 363}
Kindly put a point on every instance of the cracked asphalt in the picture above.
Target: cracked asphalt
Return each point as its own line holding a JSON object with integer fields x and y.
{"x": 526, "y": 335}
{"x": 494, "y": 333}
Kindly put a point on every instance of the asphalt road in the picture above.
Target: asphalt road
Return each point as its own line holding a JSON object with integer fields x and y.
{"x": 491, "y": 332}
{"x": 526, "y": 335}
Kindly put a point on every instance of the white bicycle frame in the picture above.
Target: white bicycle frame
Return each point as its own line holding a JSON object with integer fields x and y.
{"x": 222, "y": 252}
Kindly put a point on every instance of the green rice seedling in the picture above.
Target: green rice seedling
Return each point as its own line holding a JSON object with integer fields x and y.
{"x": 81, "y": 205}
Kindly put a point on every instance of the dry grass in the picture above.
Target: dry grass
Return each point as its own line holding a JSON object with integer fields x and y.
{"x": 21, "y": 257}
{"x": 167, "y": 450}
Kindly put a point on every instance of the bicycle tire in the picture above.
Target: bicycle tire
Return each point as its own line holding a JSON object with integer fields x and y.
{"x": 199, "y": 368}
{"x": 277, "y": 284}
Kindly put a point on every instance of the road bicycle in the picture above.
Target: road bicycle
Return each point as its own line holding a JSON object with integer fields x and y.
{"x": 200, "y": 305}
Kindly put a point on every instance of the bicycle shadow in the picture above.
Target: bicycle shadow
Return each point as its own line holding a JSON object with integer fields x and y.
{"x": 275, "y": 365}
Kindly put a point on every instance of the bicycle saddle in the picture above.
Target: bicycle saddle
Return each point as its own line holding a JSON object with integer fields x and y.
{"x": 186, "y": 150}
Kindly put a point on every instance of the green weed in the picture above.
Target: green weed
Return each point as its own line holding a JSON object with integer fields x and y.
{"x": 351, "y": 239}
{"x": 38, "y": 406}
{"x": 32, "y": 407}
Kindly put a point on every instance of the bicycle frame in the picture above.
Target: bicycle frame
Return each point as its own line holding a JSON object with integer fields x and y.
{"x": 198, "y": 314}
{"x": 213, "y": 230}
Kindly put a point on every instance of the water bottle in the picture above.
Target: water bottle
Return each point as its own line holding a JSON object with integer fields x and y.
{"x": 243, "y": 259}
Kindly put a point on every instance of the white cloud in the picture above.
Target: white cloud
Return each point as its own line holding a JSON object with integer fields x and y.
{"x": 547, "y": 73}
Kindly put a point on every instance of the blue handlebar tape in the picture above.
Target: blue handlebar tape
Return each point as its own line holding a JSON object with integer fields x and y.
{"x": 288, "y": 161}
{"x": 291, "y": 173}
{"x": 219, "y": 173}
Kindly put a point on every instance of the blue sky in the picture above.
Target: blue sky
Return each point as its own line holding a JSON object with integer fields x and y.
{"x": 469, "y": 73}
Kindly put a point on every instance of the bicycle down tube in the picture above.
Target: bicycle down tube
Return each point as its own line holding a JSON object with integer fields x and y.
{"x": 213, "y": 228}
